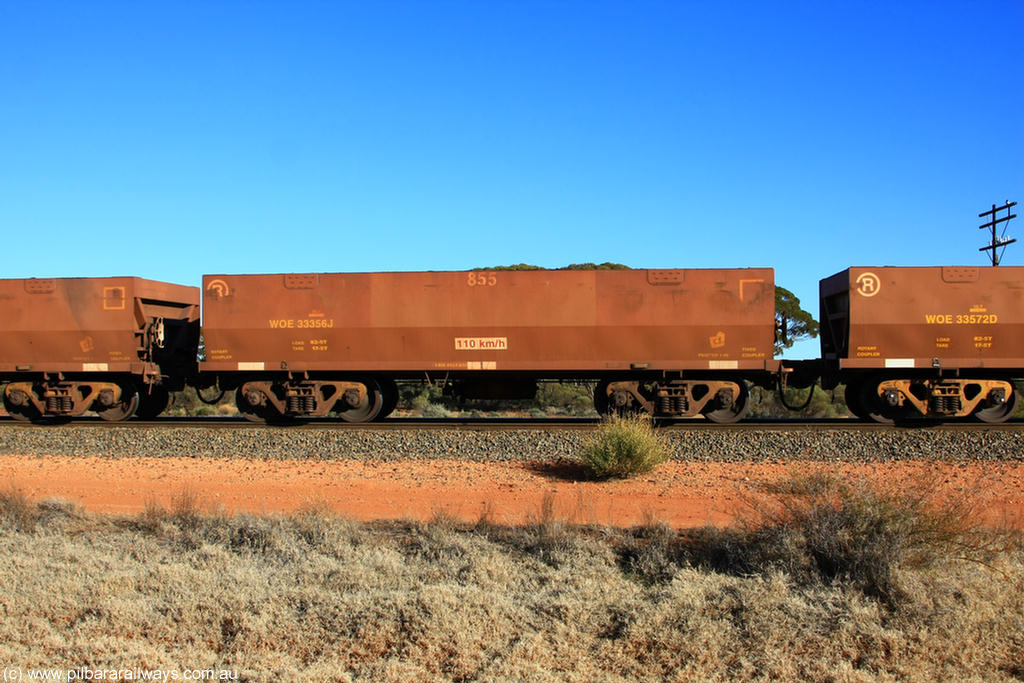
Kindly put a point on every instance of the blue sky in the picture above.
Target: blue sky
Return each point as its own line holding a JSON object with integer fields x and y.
{"x": 169, "y": 140}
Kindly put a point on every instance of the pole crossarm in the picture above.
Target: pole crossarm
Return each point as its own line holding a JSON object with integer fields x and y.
{"x": 997, "y": 240}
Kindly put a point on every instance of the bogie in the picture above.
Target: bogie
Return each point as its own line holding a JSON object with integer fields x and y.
{"x": 718, "y": 400}
{"x": 57, "y": 399}
{"x": 894, "y": 399}
{"x": 285, "y": 400}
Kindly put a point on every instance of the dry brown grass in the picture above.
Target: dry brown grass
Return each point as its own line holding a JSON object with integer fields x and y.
{"x": 864, "y": 532}
{"x": 317, "y": 597}
{"x": 17, "y": 510}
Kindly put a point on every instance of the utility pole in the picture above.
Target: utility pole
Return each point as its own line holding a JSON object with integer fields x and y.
{"x": 997, "y": 240}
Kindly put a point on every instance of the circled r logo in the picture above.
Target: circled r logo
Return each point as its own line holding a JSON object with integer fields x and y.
{"x": 868, "y": 284}
{"x": 218, "y": 287}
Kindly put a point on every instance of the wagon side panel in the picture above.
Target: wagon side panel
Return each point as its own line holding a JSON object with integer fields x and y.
{"x": 943, "y": 317}
{"x": 496, "y": 320}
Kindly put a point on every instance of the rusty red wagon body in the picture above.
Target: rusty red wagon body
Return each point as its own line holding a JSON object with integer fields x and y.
{"x": 114, "y": 345}
{"x": 675, "y": 341}
{"x": 942, "y": 341}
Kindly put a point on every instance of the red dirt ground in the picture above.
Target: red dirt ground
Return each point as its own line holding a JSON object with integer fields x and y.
{"x": 681, "y": 494}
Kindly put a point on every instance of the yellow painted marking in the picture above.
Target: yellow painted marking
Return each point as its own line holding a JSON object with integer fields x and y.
{"x": 113, "y": 298}
{"x": 300, "y": 323}
{"x": 961, "y": 319}
{"x": 868, "y": 284}
{"x": 481, "y": 279}
{"x": 744, "y": 283}
{"x": 218, "y": 288}
{"x": 868, "y": 352}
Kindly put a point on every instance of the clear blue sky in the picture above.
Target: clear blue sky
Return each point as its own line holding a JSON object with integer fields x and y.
{"x": 168, "y": 140}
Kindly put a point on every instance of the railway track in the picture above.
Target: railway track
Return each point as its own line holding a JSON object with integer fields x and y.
{"x": 524, "y": 423}
{"x": 508, "y": 439}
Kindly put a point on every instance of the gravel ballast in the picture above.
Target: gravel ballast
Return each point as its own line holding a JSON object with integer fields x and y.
{"x": 520, "y": 444}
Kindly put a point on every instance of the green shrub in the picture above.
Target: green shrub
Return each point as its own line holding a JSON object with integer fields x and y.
{"x": 624, "y": 447}
{"x": 423, "y": 399}
{"x": 1019, "y": 388}
{"x": 823, "y": 404}
{"x": 565, "y": 398}
{"x": 187, "y": 403}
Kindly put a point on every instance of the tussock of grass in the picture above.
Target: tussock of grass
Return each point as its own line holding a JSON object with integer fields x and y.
{"x": 317, "y": 597}
{"x": 16, "y": 510}
{"x": 865, "y": 532}
{"x": 624, "y": 447}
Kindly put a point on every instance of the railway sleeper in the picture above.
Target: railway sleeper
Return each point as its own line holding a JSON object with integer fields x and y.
{"x": 60, "y": 398}
{"x": 990, "y": 400}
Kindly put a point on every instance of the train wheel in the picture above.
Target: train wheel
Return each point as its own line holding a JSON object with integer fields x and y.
{"x": 153, "y": 402}
{"x": 123, "y": 409}
{"x": 21, "y": 410}
{"x": 872, "y": 405}
{"x": 23, "y": 415}
{"x": 259, "y": 413}
{"x": 851, "y": 395}
{"x": 627, "y": 398}
{"x": 1000, "y": 413}
{"x": 389, "y": 397}
{"x": 369, "y": 408}
{"x": 733, "y": 412}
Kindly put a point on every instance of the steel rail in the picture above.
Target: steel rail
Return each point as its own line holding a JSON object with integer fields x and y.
{"x": 516, "y": 423}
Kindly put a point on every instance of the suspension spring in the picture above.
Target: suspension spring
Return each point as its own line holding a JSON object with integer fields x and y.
{"x": 301, "y": 404}
{"x": 948, "y": 404}
{"x": 672, "y": 405}
{"x": 58, "y": 404}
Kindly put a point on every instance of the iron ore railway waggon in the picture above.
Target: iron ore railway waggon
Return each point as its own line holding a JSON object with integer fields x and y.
{"x": 924, "y": 341}
{"x": 115, "y": 345}
{"x": 937, "y": 342}
{"x": 670, "y": 342}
